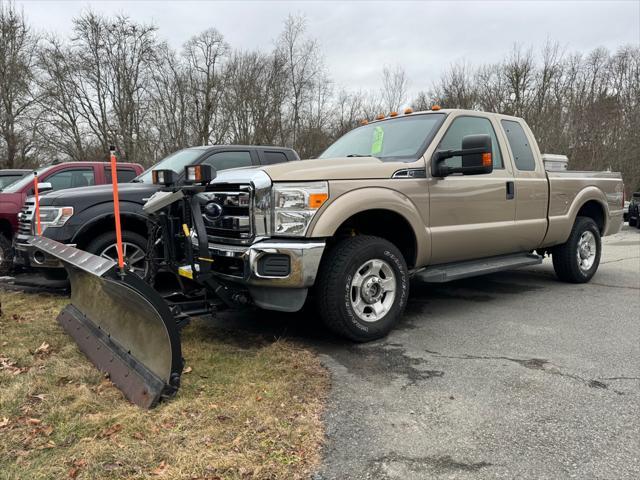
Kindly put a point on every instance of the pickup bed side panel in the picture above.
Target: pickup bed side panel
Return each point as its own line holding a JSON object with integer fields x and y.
{"x": 569, "y": 191}
{"x": 381, "y": 194}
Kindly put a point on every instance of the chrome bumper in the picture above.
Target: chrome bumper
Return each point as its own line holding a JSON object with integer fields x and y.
{"x": 27, "y": 255}
{"x": 304, "y": 255}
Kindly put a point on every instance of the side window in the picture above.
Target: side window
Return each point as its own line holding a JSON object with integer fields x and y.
{"x": 463, "y": 126}
{"x": 125, "y": 175}
{"x": 273, "y": 157}
{"x": 224, "y": 160}
{"x": 79, "y": 177}
{"x": 520, "y": 148}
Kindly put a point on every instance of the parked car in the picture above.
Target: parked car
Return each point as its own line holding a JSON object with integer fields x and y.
{"x": 625, "y": 211}
{"x": 90, "y": 225}
{"x": 56, "y": 177}
{"x": 438, "y": 195}
{"x": 634, "y": 210}
{"x": 10, "y": 175}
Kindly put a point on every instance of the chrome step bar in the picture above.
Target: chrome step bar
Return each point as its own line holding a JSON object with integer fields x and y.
{"x": 448, "y": 272}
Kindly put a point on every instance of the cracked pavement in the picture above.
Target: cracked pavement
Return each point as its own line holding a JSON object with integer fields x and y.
{"x": 511, "y": 375}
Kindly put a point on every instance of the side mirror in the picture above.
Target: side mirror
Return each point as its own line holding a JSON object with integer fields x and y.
{"x": 476, "y": 156}
{"x": 44, "y": 187}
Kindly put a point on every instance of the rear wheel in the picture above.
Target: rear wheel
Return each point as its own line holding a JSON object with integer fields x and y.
{"x": 134, "y": 247}
{"x": 577, "y": 260}
{"x": 6, "y": 256}
{"x": 362, "y": 288}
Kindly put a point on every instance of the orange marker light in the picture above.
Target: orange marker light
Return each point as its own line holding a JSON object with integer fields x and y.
{"x": 316, "y": 200}
{"x": 364, "y": 122}
{"x": 116, "y": 206}
{"x": 379, "y": 117}
{"x": 435, "y": 108}
{"x": 486, "y": 160}
{"x": 407, "y": 111}
{"x": 393, "y": 114}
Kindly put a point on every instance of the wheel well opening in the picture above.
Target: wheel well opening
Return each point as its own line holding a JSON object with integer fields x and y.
{"x": 593, "y": 210}
{"x": 5, "y": 229}
{"x": 385, "y": 224}
{"x": 107, "y": 224}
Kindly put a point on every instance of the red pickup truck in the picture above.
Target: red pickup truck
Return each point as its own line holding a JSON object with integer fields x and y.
{"x": 52, "y": 177}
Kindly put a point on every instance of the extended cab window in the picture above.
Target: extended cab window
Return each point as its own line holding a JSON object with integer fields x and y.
{"x": 463, "y": 126}
{"x": 79, "y": 177}
{"x": 224, "y": 160}
{"x": 125, "y": 175}
{"x": 520, "y": 148}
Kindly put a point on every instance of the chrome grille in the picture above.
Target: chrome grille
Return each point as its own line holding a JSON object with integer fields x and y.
{"x": 227, "y": 212}
{"x": 25, "y": 218}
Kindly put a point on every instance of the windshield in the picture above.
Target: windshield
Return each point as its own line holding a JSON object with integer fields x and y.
{"x": 6, "y": 180}
{"x": 396, "y": 139}
{"x": 176, "y": 162}
{"x": 17, "y": 186}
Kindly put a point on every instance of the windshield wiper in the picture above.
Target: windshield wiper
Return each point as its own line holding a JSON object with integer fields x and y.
{"x": 358, "y": 155}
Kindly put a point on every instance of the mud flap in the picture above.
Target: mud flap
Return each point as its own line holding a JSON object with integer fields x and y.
{"x": 120, "y": 323}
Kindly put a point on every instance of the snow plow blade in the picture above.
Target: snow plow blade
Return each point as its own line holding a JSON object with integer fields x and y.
{"x": 120, "y": 323}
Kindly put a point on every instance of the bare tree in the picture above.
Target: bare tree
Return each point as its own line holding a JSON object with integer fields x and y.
{"x": 395, "y": 85}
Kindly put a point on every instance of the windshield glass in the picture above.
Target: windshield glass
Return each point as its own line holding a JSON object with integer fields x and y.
{"x": 176, "y": 162}
{"x": 396, "y": 139}
{"x": 6, "y": 180}
{"x": 17, "y": 186}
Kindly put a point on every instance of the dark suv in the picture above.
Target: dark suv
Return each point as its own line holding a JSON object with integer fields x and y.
{"x": 634, "y": 210}
{"x": 83, "y": 217}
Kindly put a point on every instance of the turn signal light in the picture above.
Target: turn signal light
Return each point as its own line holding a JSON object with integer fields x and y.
{"x": 198, "y": 174}
{"x": 163, "y": 177}
{"x": 435, "y": 108}
{"x": 316, "y": 200}
{"x": 486, "y": 160}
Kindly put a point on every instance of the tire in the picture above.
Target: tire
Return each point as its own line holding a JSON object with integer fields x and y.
{"x": 6, "y": 256}
{"x": 632, "y": 222}
{"x": 107, "y": 241}
{"x": 375, "y": 262}
{"x": 568, "y": 261}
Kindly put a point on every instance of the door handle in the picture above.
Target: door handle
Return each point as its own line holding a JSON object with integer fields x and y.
{"x": 511, "y": 190}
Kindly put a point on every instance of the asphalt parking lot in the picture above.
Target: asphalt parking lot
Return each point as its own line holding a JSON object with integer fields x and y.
{"x": 513, "y": 375}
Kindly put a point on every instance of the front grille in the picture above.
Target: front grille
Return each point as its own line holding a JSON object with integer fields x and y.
{"x": 25, "y": 218}
{"x": 227, "y": 212}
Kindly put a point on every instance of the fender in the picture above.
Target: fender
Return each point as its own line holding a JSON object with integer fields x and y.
{"x": 560, "y": 225}
{"x": 97, "y": 213}
{"x": 334, "y": 214}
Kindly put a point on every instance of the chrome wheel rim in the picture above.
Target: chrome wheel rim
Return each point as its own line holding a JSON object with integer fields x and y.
{"x": 587, "y": 249}
{"x": 373, "y": 290}
{"x": 134, "y": 257}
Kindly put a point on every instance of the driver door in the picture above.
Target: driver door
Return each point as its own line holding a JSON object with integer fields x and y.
{"x": 471, "y": 216}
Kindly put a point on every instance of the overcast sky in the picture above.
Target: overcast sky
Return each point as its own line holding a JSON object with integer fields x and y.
{"x": 358, "y": 38}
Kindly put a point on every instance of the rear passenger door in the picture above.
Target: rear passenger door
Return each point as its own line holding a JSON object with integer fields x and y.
{"x": 271, "y": 157}
{"x": 531, "y": 185}
{"x": 125, "y": 175}
{"x": 71, "y": 178}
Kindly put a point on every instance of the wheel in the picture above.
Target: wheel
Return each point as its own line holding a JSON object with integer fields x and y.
{"x": 632, "y": 222}
{"x": 362, "y": 288}
{"x": 134, "y": 248}
{"x": 577, "y": 260}
{"x": 6, "y": 256}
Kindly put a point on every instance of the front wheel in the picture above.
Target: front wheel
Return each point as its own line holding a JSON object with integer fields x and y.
{"x": 362, "y": 288}
{"x": 577, "y": 260}
{"x": 134, "y": 248}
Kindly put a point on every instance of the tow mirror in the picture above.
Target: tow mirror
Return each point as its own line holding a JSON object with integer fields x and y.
{"x": 44, "y": 187}
{"x": 476, "y": 156}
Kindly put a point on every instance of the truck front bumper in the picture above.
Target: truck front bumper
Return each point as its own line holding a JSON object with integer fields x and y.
{"x": 277, "y": 273}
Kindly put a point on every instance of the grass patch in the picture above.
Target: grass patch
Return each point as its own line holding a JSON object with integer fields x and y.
{"x": 247, "y": 408}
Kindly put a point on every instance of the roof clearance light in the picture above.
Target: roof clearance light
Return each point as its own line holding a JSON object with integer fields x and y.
{"x": 407, "y": 111}
{"x": 364, "y": 122}
{"x": 380, "y": 117}
{"x": 393, "y": 114}
{"x": 435, "y": 108}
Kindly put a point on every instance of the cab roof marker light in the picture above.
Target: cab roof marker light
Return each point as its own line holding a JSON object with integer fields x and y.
{"x": 393, "y": 114}
{"x": 408, "y": 110}
{"x": 435, "y": 108}
{"x": 379, "y": 116}
{"x": 364, "y": 122}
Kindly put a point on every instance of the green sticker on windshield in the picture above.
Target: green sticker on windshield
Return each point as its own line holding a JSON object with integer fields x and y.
{"x": 378, "y": 138}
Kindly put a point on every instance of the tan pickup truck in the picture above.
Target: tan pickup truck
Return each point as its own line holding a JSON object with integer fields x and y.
{"x": 438, "y": 195}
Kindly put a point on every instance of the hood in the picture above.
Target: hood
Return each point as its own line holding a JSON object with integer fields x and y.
{"x": 343, "y": 168}
{"x": 132, "y": 192}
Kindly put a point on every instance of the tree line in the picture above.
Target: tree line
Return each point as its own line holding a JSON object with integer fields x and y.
{"x": 114, "y": 81}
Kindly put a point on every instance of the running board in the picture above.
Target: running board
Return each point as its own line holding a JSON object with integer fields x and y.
{"x": 448, "y": 272}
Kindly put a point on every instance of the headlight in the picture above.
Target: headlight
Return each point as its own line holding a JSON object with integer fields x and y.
{"x": 54, "y": 216}
{"x": 295, "y": 204}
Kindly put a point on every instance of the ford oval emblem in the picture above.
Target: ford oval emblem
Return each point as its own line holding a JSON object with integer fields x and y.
{"x": 213, "y": 210}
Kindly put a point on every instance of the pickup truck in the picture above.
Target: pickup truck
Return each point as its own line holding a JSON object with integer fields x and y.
{"x": 52, "y": 177}
{"x": 90, "y": 225}
{"x": 438, "y": 195}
